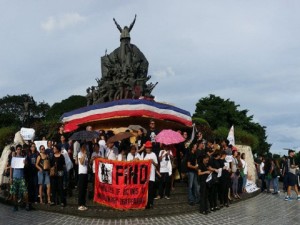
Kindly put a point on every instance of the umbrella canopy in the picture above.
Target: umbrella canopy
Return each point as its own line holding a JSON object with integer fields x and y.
{"x": 169, "y": 137}
{"x": 136, "y": 128}
{"x": 84, "y": 135}
{"x": 120, "y": 136}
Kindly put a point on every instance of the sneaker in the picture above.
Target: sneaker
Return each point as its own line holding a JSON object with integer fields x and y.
{"x": 166, "y": 197}
{"x": 85, "y": 208}
{"x": 157, "y": 197}
{"x": 298, "y": 198}
{"x": 81, "y": 208}
{"x": 287, "y": 198}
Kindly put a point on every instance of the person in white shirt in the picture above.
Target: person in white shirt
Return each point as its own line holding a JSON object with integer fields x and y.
{"x": 96, "y": 154}
{"x": 110, "y": 151}
{"x": 245, "y": 170}
{"x": 133, "y": 155}
{"x": 165, "y": 157}
{"x": 154, "y": 163}
{"x": 82, "y": 177}
{"x": 262, "y": 174}
{"x": 122, "y": 156}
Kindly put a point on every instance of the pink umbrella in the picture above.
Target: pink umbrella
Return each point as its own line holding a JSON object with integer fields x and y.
{"x": 169, "y": 137}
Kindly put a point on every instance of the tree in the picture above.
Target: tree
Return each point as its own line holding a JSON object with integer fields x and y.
{"x": 222, "y": 114}
{"x": 12, "y": 110}
{"x": 66, "y": 105}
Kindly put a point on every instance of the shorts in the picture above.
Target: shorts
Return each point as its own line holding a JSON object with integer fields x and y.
{"x": 43, "y": 178}
{"x": 292, "y": 179}
{"x": 18, "y": 187}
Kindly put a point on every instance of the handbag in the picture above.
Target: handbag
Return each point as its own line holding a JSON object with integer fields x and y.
{"x": 269, "y": 176}
{"x": 53, "y": 171}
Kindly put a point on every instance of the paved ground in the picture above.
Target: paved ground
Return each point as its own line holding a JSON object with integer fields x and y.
{"x": 262, "y": 209}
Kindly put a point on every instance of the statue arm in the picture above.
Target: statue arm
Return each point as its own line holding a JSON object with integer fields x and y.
{"x": 118, "y": 26}
{"x": 132, "y": 24}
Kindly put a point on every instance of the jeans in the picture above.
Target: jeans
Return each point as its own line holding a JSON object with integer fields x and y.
{"x": 235, "y": 182}
{"x": 275, "y": 184}
{"x": 193, "y": 188}
{"x": 263, "y": 184}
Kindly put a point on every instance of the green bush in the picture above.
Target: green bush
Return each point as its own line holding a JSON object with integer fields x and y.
{"x": 7, "y": 135}
{"x": 221, "y": 133}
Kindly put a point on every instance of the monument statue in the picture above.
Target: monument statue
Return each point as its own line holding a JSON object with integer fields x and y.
{"x": 124, "y": 73}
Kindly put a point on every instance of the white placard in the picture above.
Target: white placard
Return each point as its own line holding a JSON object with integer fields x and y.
{"x": 27, "y": 133}
{"x": 209, "y": 177}
{"x": 250, "y": 187}
{"x": 17, "y": 163}
{"x": 39, "y": 143}
{"x": 69, "y": 164}
{"x": 219, "y": 172}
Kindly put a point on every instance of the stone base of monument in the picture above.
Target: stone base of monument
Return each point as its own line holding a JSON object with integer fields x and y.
{"x": 252, "y": 174}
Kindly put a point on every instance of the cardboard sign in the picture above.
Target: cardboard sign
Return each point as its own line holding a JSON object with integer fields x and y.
{"x": 27, "y": 133}
{"x": 39, "y": 143}
{"x": 17, "y": 163}
{"x": 122, "y": 185}
{"x": 251, "y": 187}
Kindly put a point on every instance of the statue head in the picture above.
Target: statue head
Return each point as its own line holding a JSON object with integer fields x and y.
{"x": 125, "y": 33}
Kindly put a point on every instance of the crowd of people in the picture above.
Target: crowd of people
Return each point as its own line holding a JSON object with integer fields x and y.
{"x": 270, "y": 170}
{"x": 215, "y": 172}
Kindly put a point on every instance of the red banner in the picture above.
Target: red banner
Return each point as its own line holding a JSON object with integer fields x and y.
{"x": 122, "y": 185}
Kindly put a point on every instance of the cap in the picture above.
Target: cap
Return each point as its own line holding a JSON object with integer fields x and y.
{"x": 148, "y": 144}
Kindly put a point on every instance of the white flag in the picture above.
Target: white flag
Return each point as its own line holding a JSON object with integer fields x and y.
{"x": 230, "y": 136}
{"x": 193, "y": 133}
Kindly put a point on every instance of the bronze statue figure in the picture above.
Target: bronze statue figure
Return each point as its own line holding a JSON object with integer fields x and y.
{"x": 124, "y": 73}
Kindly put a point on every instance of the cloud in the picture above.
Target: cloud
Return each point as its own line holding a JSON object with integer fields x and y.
{"x": 164, "y": 73}
{"x": 62, "y": 22}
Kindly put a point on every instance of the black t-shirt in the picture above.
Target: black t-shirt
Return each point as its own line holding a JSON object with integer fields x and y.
{"x": 151, "y": 134}
{"x": 192, "y": 158}
{"x": 214, "y": 163}
{"x": 200, "y": 153}
{"x": 203, "y": 168}
{"x": 59, "y": 161}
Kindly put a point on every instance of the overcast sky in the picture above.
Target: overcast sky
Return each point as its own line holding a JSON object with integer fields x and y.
{"x": 247, "y": 51}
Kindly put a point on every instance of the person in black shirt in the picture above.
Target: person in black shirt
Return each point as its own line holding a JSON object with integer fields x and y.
{"x": 58, "y": 162}
{"x": 151, "y": 134}
{"x": 213, "y": 166}
{"x": 224, "y": 181}
{"x": 140, "y": 141}
{"x": 203, "y": 173}
{"x": 32, "y": 178}
{"x": 192, "y": 168}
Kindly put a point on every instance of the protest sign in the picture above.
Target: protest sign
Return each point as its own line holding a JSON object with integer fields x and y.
{"x": 27, "y": 133}
{"x": 251, "y": 187}
{"x": 122, "y": 185}
{"x": 17, "y": 163}
{"x": 39, "y": 143}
